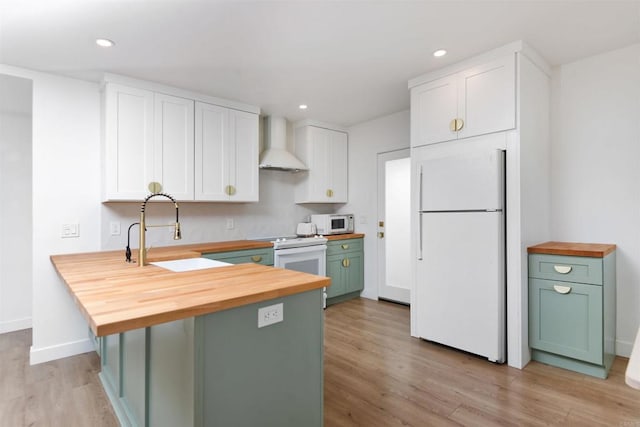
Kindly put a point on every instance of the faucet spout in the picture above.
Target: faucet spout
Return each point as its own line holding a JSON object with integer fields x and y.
{"x": 177, "y": 235}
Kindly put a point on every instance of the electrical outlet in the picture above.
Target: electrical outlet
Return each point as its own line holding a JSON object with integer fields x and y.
{"x": 70, "y": 230}
{"x": 270, "y": 315}
{"x": 230, "y": 224}
{"x": 114, "y": 228}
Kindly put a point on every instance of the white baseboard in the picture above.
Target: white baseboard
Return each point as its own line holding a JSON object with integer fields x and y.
{"x": 15, "y": 325}
{"x": 369, "y": 295}
{"x": 46, "y": 354}
{"x": 623, "y": 348}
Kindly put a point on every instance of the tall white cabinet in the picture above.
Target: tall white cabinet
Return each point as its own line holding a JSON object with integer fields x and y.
{"x": 325, "y": 152}
{"x": 162, "y": 139}
{"x": 498, "y": 100}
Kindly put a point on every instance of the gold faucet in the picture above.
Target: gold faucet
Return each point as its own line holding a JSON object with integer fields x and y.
{"x": 142, "y": 250}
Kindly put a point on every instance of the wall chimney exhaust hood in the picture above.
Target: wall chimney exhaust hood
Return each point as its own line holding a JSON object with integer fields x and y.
{"x": 275, "y": 156}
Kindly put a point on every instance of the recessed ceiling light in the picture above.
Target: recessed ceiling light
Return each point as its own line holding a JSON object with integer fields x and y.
{"x": 440, "y": 52}
{"x": 302, "y": 106}
{"x": 104, "y": 42}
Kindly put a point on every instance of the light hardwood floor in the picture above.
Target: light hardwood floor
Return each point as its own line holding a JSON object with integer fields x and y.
{"x": 375, "y": 375}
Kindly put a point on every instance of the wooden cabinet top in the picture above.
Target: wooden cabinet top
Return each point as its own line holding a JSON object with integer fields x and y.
{"x": 115, "y": 296}
{"x": 594, "y": 250}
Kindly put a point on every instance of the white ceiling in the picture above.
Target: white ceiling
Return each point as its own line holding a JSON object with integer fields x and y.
{"x": 348, "y": 60}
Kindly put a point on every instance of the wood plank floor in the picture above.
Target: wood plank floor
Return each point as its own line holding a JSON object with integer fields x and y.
{"x": 375, "y": 375}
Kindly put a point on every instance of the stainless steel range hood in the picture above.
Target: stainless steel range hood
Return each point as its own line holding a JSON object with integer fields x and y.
{"x": 275, "y": 156}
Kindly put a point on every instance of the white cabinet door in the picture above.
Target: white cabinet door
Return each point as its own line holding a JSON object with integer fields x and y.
{"x": 433, "y": 106}
{"x": 482, "y": 98}
{"x": 211, "y": 148}
{"x": 487, "y": 98}
{"x": 324, "y": 151}
{"x": 129, "y": 148}
{"x": 244, "y": 152}
{"x": 226, "y": 151}
{"x": 337, "y": 161}
{"x": 173, "y": 146}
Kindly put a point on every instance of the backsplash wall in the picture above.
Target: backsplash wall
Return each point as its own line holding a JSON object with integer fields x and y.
{"x": 276, "y": 214}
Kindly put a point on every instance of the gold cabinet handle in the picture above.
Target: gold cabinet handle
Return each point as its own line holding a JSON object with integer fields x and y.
{"x": 154, "y": 187}
{"x": 456, "y": 125}
{"x": 230, "y": 190}
{"x": 562, "y": 269}
{"x": 346, "y": 263}
{"x": 256, "y": 258}
{"x": 562, "y": 289}
{"x": 344, "y": 246}
{"x": 329, "y": 193}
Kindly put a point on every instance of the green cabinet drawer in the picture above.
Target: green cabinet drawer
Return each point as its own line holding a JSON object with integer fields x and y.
{"x": 336, "y": 247}
{"x": 257, "y": 256}
{"x": 566, "y": 319}
{"x": 566, "y": 268}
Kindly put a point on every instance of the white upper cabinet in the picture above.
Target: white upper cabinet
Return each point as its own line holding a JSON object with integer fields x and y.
{"x": 325, "y": 152}
{"x": 129, "y": 158}
{"x": 472, "y": 102}
{"x": 173, "y": 145}
{"x": 226, "y": 152}
{"x": 192, "y": 150}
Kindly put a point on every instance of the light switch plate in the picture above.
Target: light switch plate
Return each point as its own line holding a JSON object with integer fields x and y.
{"x": 70, "y": 230}
{"x": 114, "y": 228}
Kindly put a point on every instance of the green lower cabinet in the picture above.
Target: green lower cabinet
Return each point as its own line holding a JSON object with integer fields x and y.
{"x": 572, "y": 312}
{"x": 262, "y": 256}
{"x": 345, "y": 267}
{"x": 220, "y": 369}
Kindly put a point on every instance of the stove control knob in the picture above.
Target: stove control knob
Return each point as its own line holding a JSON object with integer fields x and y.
{"x": 284, "y": 239}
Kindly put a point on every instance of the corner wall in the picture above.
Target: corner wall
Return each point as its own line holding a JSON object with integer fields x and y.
{"x": 15, "y": 208}
{"x": 595, "y": 167}
{"x": 66, "y": 189}
{"x": 366, "y": 140}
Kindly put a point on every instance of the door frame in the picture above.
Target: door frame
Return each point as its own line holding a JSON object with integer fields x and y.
{"x": 399, "y": 153}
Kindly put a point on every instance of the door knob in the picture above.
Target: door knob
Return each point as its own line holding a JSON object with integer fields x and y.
{"x": 381, "y": 234}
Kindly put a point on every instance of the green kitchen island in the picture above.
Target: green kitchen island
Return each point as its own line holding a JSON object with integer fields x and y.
{"x": 185, "y": 349}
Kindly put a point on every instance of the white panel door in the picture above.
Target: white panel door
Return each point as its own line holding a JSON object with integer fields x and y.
{"x": 129, "y": 149}
{"x": 211, "y": 152}
{"x": 174, "y": 145}
{"x": 243, "y": 156}
{"x": 487, "y": 97}
{"x": 461, "y": 282}
{"x": 473, "y": 180}
{"x": 433, "y": 106}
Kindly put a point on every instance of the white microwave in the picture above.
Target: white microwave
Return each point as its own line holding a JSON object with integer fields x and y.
{"x": 333, "y": 223}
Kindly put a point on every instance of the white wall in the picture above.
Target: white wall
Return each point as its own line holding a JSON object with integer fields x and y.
{"x": 15, "y": 207}
{"x": 65, "y": 189}
{"x": 366, "y": 140}
{"x": 275, "y": 215}
{"x": 595, "y": 177}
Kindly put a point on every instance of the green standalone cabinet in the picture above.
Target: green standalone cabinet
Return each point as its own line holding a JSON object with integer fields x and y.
{"x": 572, "y": 306}
{"x": 345, "y": 267}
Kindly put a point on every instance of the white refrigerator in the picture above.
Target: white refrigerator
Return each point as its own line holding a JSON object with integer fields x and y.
{"x": 460, "y": 271}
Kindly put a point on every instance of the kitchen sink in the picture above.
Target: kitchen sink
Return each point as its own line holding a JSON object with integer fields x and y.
{"x": 189, "y": 264}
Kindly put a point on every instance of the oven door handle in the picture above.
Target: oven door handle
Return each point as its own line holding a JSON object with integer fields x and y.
{"x": 302, "y": 250}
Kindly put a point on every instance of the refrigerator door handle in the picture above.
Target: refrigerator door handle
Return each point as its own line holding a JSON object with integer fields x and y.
{"x": 420, "y": 237}
{"x": 420, "y": 215}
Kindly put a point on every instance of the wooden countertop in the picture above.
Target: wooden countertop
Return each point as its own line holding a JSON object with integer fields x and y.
{"x": 345, "y": 236}
{"x": 115, "y": 296}
{"x": 594, "y": 250}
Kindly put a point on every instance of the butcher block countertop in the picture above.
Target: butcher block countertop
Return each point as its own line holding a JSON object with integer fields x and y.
{"x": 344, "y": 236}
{"x": 115, "y": 296}
{"x": 594, "y": 250}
